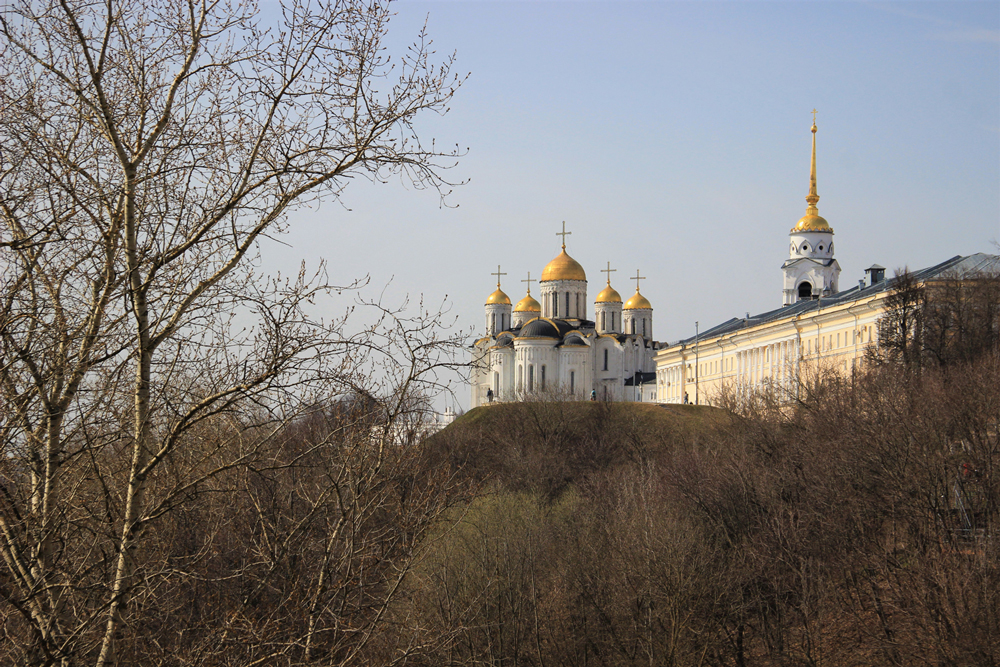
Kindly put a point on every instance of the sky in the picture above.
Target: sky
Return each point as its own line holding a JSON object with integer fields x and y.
{"x": 673, "y": 138}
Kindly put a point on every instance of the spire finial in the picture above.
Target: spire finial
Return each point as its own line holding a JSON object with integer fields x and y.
{"x": 529, "y": 281}
{"x": 609, "y": 271}
{"x": 564, "y": 234}
{"x": 813, "y": 197}
{"x": 498, "y": 274}
{"x": 637, "y": 278}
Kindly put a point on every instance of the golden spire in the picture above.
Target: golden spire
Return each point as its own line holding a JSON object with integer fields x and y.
{"x": 813, "y": 197}
{"x": 811, "y": 221}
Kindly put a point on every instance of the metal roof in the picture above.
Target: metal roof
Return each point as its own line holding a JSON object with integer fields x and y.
{"x": 958, "y": 266}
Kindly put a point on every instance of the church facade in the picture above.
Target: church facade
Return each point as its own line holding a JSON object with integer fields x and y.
{"x": 553, "y": 347}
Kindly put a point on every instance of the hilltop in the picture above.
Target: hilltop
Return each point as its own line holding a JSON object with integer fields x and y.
{"x": 544, "y": 446}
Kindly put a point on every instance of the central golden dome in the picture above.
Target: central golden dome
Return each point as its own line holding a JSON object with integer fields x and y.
{"x": 608, "y": 295}
{"x": 528, "y": 305}
{"x": 638, "y": 302}
{"x": 563, "y": 267}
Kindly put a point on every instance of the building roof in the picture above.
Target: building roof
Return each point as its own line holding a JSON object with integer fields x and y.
{"x": 958, "y": 266}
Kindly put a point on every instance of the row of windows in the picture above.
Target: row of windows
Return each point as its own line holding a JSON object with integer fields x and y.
{"x": 554, "y": 301}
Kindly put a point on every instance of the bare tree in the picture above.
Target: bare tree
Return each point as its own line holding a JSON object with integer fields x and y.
{"x": 146, "y": 150}
{"x": 900, "y": 329}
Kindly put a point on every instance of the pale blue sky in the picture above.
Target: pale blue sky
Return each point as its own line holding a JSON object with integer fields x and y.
{"x": 673, "y": 138}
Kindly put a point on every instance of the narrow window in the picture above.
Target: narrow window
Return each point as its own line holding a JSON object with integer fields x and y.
{"x": 572, "y": 382}
{"x": 644, "y": 327}
{"x": 555, "y": 304}
{"x": 604, "y": 321}
{"x": 605, "y": 360}
{"x": 568, "y": 313}
{"x": 531, "y": 378}
{"x": 520, "y": 378}
{"x": 542, "y": 386}
{"x": 493, "y": 322}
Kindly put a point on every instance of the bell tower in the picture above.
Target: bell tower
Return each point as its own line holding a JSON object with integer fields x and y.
{"x": 810, "y": 272}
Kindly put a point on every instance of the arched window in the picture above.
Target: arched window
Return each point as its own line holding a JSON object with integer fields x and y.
{"x": 542, "y": 386}
{"x": 605, "y": 360}
{"x": 555, "y": 304}
{"x": 572, "y": 382}
{"x": 805, "y": 290}
{"x": 531, "y": 377}
{"x": 568, "y": 313}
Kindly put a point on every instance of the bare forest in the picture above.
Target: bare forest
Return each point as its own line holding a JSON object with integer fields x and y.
{"x": 196, "y": 469}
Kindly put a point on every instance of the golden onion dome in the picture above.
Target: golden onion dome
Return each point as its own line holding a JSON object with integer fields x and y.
{"x": 528, "y": 305}
{"x": 638, "y": 302}
{"x": 563, "y": 267}
{"x": 608, "y": 295}
{"x": 498, "y": 297}
{"x": 812, "y": 223}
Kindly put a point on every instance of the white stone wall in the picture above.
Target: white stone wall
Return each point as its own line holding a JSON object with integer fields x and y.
{"x": 807, "y": 254}
{"x": 564, "y": 299}
{"x": 642, "y": 318}
{"x": 608, "y": 317}
{"x": 497, "y": 318}
{"x": 520, "y": 318}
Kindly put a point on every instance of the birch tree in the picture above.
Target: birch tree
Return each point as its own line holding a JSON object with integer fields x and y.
{"x": 145, "y": 151}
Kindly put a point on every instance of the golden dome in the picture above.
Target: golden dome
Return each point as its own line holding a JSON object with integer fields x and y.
{"x": 563, "y": 267}
{"x": 638, "y": 302}
{"x": 812, "y": 223}
{"x": 528, "y": 305}
{"x": 608, "y": 295}
{"x": 498, "y": 297}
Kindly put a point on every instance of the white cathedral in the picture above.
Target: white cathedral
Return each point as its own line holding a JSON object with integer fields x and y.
{"x": 554, "y": 348}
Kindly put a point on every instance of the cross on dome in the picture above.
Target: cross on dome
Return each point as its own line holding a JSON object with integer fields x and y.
{"x": 637, "y": 278}
{"x": 498, "y": 274}
{"x": 529, "y": 280}
{"x": 564, "y": 234}
{"x": 609, "y": 271}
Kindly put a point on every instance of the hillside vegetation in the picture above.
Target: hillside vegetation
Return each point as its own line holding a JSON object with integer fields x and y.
{"x": 856, "y": 528}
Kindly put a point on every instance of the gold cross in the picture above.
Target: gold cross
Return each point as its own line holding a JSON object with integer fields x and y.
{"x": 498, "y": 274}
{"x": 609, "y": 271}
{"x": 637, "y": 278}
{"x": 564, "y": 234}
{"x": 814, "y": 116}
{"x": 529, "y": 281}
